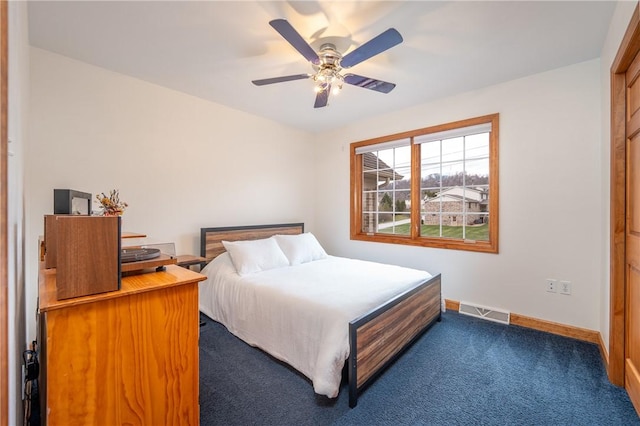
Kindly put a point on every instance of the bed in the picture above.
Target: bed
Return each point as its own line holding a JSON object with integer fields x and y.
{"x": 302, "y": 313}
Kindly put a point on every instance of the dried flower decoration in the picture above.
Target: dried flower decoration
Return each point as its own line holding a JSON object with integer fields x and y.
{"x": 111, "y": 205}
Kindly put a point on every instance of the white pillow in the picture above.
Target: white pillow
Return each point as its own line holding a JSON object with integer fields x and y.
{"x": 255, "y": 255}
{"x": 301, "y": 248}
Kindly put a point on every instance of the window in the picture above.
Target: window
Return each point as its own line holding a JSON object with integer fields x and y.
{"x": 433, "y": 187}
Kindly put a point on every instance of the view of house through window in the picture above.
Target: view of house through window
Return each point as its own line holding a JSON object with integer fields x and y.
{"x": 454, "y": 186}
{"x": 453, "y": 201}
{"x": 386, "y": 194}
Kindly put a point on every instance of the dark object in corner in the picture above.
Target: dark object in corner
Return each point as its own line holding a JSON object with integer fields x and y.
{"x": 31, "y": 397}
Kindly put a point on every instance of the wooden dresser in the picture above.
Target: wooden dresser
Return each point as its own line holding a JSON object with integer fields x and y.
{"x": 124, "y": 357}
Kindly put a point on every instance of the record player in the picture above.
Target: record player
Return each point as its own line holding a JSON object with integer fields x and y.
{"x": 147, "y": 258}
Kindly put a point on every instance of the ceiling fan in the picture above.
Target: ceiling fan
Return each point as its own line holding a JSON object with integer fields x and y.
{"x": 328, "y": 62}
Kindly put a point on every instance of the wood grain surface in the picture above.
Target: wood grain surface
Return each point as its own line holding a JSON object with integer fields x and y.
{"x": 211, "y": 238}
{"x": 88, "y": 254}
{"x": 171, "y": 277}
{"x": 383, "y": 337}
{"x": 130, "y": 360}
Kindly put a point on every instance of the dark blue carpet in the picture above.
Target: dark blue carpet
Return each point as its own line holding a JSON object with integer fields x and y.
{"x": 463, "y": 371}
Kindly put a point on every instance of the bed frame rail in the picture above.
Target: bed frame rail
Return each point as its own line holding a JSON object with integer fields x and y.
{"x": 380, "y": 336}
{"x": 211, "y": 238}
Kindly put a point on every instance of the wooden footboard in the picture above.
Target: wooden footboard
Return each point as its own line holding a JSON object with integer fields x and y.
{"x": 380, "y": 336}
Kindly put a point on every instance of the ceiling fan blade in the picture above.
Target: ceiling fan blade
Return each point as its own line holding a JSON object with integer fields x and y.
{"x": 376, "y": 45}
{"x": 264, "y": 81}
{"x": 322, "y": 98}
{"x": 295, "y": 39}
{"x": 369, "y": 83}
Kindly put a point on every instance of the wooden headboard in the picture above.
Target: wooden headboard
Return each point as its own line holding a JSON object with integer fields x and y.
{"x": 211, "y": 238}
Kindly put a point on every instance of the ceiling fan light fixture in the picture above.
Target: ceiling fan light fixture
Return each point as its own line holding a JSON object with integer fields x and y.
{"x": 336, "y": 85}
{"x": 327, "y": 77}
{"x": 328, "y": 62}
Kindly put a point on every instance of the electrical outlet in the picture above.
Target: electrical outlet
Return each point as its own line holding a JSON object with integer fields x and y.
{"x": 565, "y": 287}
{"x": 552, "y": 285}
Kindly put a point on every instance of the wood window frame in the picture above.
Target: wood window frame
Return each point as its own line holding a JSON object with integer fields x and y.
{"x": 414, "y": 239}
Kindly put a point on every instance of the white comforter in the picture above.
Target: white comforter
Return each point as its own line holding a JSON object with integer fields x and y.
{"x": 300, "y": 314}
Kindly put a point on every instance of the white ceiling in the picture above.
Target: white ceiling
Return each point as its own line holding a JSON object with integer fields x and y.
{"x": 213, "y": 49}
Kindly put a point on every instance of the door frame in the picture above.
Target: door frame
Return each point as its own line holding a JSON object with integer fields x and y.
{"x": 4, "y": 280}
{"x": 629, "y": 48}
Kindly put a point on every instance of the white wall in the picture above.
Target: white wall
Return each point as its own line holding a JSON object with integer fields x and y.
{"x": 618, "y": 26}
{"x": 17, "y": 129}
{"x": 180, "y": 162}
{"x": 550, "y": 196}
